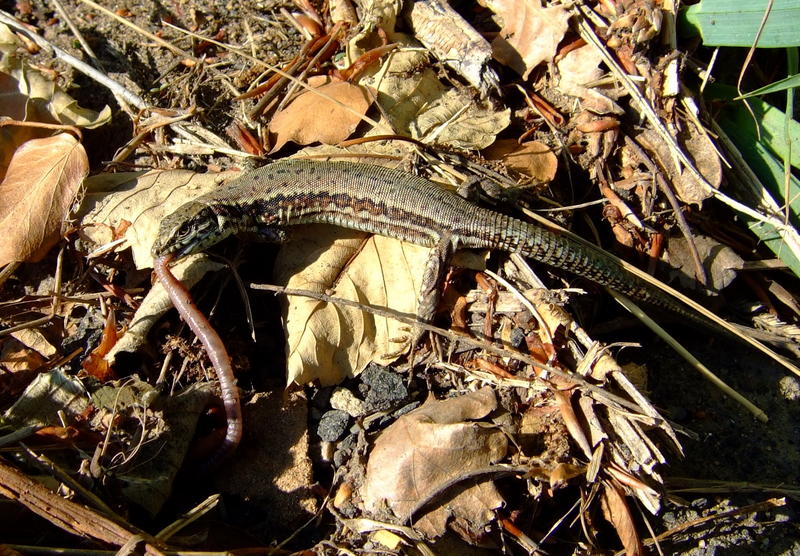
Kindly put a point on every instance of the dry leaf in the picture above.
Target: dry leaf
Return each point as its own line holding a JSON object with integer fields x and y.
{"x": 576, "y": 69}
{"x": 460, "y": 122}
{"x": 48, "y": 399}
{"x": 141, "y": 199}
{"x": 163, "y": 433}
{"x": 426, "y": 449}
{"x": 311, "y": 118}
{"x": 35, "y": 340}
{"x": 405, "y": 84}
{"x": 16, "y": 356}
{"x": 40, "y": 187}
{"x": 12, "y": 137}
{"x": 375, "y": 14}
{"x": 417, "y": 104}
{"x": 388, "y": 539}
{"x": 533, "y": 159}
{"x": 529, "y": 35}
{"x": 700, "y": 149}
{"x": 329, "y": 343}
{"x": 616, "y": 511}
{"x": 720, "y": 261}
{"x": 28, "y": 95}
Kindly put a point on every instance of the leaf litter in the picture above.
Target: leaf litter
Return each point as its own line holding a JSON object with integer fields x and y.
{"x": 508, "y": 437}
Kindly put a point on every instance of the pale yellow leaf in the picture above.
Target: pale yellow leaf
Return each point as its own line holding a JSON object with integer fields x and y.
{"x": 28, "y": 95}
{"x": 416, "y": 103}
{"x": 579, "y": 68}
{"x": 326, "y": 342}
{"x": 136, "y": 202}
{"x": 15, "y": 356}
{"x": 35, "y": 340}
{"x": 457, "y": 120}
{"x": 36, "y": 195}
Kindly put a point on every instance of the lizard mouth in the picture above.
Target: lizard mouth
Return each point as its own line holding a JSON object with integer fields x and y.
{"x": 179, "y": 236}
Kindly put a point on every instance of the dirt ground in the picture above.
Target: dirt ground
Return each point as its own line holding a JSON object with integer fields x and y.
{"x": 729, "y": 446}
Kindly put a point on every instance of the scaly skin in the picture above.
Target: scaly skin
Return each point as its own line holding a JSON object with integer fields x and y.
{"x": 403, "y": 206}
{"x": 390, "y": 203}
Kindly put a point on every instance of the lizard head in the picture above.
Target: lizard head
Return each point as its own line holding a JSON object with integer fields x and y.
{"x": 192, "y": 228}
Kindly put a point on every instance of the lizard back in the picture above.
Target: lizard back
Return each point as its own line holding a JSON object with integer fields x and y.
{"x": 387, "y": 202}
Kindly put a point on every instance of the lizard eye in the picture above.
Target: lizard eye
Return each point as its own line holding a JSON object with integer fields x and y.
{"x": 184, "y": 231}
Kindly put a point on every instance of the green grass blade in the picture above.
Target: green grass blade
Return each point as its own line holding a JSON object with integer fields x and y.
{"x": 771, "y": 178}
{"x": 776, "y": 131}
{"x": 735, "y": 23}
{"x": 791, "y": 82}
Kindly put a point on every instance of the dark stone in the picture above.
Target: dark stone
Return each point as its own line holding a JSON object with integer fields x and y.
{"x": 333, "y": 425}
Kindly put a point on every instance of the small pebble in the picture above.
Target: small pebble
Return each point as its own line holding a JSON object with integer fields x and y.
{"x": 332, "y": 425}
{"x": 345, "y": 400}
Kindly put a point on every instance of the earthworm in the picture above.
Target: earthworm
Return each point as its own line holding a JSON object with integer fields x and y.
{"x": 182, "y": 300}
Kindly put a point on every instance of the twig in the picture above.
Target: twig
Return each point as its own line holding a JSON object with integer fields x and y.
{"x": 700, "y": 271}
{"x": 189, "y": 517}
{"x": 46, "y": 464}
{"x": 75, "y": 31}
{"x": 596, "y": 392}
{"x": 324, "y": 50}
{"x": 683, "y": 352}
{"x": 7, "y": 271}
{"x": 682, "y": 485}
{"x": 752, "y": 508}
{"x": 117, "y": 89}
{"x": 53, "y": 305}
{"x": 67, "y": 515}
{"x": 155, "y": 38}
{"x": 131, "y": 145}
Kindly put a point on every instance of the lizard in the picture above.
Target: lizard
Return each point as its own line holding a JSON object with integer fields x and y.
{"x": 387, "y": 202}
{"x": 378, "y": 200}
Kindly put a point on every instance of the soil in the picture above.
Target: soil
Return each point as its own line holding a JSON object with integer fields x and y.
{"x": 730, "y": 448}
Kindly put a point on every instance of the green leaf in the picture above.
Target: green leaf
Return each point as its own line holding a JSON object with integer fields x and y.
{"x": 735, "y": 23}
{"x": 770, "y": 172}
{"x": 775, "y": 132}
{"x": 791, "y": 82}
